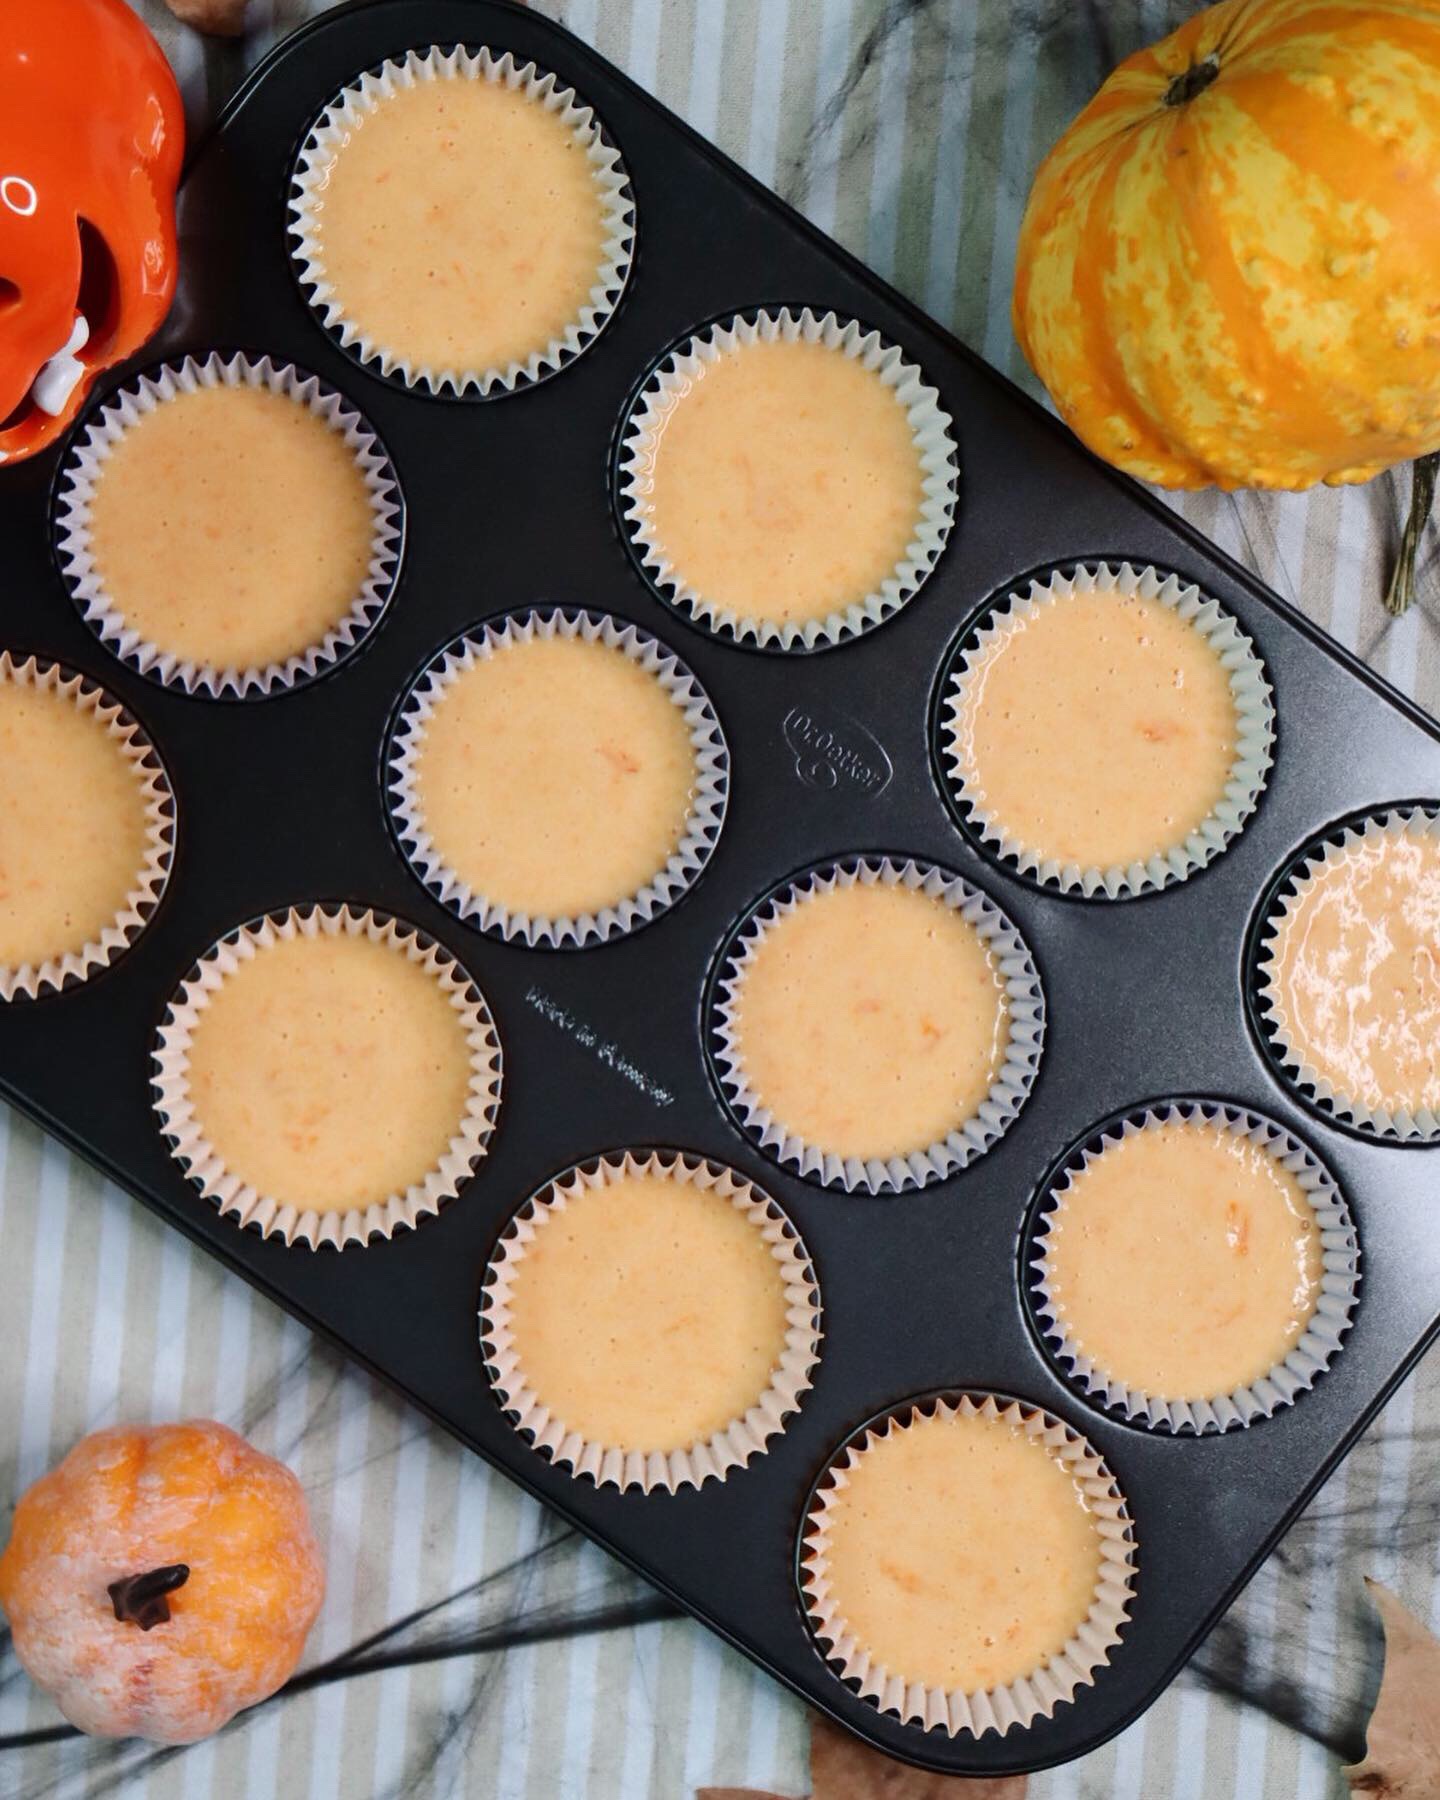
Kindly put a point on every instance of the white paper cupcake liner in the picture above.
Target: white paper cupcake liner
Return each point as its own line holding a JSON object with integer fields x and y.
{"x": 28, "y": 981}
{"x": 996, "y": 1113}
{"x": 1323, "y": 1336}
{"x": 76, "y": 489}
{"x": 713, "y": 1458}
{"x": 1015, "y": 1704}
{"x": 1254, "y": 741}
{"x": 930, "y": 425}
{"x": 184, "y": 1130}
{"x": 1422, "y": 1125}
{"x": 331, "y": 132}
{"x": 707, "y": 807}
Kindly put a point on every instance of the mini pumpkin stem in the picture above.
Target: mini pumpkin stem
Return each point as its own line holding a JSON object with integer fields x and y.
{"x": 1401, "y": 590}
{"x": 1193, "y": 81}
{"x": 140, "y": 1599}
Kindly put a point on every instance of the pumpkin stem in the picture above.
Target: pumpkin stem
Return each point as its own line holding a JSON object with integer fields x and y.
{"x": 1193, "y": 81}
{"x": 1401, "y": 590}
{"x": 140, "y": 1599}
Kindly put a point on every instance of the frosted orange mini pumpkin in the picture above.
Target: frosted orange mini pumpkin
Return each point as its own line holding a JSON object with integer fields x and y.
{"x": 161, "y": 1579}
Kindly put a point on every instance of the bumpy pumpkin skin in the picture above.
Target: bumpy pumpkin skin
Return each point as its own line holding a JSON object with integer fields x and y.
{"x": 129, "y": 1500}
{"x": 1242, "y": 288}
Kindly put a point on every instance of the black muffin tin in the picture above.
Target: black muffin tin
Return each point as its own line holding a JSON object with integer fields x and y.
{"x": 510, "y": 502}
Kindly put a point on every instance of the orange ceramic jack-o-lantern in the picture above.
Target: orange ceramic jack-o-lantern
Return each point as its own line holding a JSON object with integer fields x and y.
{"x": 161, "y": 1579}
{"x": 91, "y": 136}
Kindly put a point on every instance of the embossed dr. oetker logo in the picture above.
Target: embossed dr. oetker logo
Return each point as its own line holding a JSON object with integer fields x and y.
{"x": 833, "y": 750}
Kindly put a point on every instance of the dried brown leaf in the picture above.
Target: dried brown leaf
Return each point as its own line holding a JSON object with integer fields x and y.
{"x": 736, "y": 1794}
{"x": 842, "y": 1768}
{"x": 1402, "y": 1743}
{"x": 221, "y": 18}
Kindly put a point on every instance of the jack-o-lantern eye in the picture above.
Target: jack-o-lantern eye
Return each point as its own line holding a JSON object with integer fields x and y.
{"x": 10, "y": 297}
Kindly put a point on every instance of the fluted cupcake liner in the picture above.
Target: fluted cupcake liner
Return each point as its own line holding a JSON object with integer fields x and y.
{"x": 1015, "y": 1704}
{"x": 1025, "y": 1002}
{"x": 85, "y": 462}
{"x": 184, "y": 1130}
{"x": 1318, "y": 1345}
{"x": 1254, "y": 743}
{"x": 329, "y": 135}
{"x": 929, "y": 425}
{"x": 706, "y": 816}
{"x": 1405, "y": 1125}
{"x": 54, "y": 974}
{"x": 715, "y": 1457}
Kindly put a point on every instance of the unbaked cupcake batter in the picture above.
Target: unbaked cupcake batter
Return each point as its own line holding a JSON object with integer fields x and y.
{"x": 962, "y": 1554}
{"x": 871, "y": 1020}
{"x": 787, "y": 484}
{"x": 1184, "y": 1260}
{"x": 329, "y": 1072}
{"x": 555, "y": 776}
{"x": 1096, "y": 728}
{"x": 73, "y": 824}
{"x": 231, "y": 527}
{"x": 461, "y": 225}
{"x": 1356, "y": 971}
{"x": 648, "y": 1312}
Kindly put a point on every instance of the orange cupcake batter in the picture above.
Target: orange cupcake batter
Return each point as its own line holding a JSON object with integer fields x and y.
{"x": 962, "y": 1554}
{"x": 461, "y": 225}
{"x": 73, "y": 825}
{"x": 1357, "y": 971}
{"x": 232, "y": 527}
{"x": 329, "y": 1072}
{"x": 1184, "y": 1260}
{"x": 871, "y": 1020}
{"x": 648, "y": 1312}
{"x": 1096, "y": 728}
{"x": 787, "y": 484}
{"x": 555, "y": 776}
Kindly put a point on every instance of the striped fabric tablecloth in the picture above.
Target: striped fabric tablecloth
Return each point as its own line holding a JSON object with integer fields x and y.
{"x": 446, "y": 1661}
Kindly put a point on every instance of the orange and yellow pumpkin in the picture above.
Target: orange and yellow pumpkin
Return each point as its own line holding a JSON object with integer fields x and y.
{"x": 160, "y": 1579}
{"x": 1229, "y": 268}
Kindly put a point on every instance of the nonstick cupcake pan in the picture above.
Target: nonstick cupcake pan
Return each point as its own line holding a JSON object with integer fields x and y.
{"x": 512, "y": 501}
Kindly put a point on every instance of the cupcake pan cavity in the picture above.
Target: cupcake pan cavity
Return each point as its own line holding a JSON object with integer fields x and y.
{"x": 1250, "y": 690}
{"x": 930, "y": 431}
{"x": 1296, "y": 1372}
{"x": 692, "y": 1465}
{"x": 435, "y": 64}
{"x": 667, "y": 885}
{"x": 56, "y": 974}
{"x": 1405, "y": 1125}
{"x": 83, "y": 467}
{"x": 971, "y": 1137}
{"x": 183, "y": 1122}
{"x": 1015, "y": 1704}
{"x": 518, "y": 506}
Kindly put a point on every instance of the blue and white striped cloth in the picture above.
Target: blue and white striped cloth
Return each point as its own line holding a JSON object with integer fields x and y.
{"x": 909, "y": 129}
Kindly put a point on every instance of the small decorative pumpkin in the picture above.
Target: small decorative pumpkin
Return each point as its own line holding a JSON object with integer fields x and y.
{"x": 1226, "y": 270}
{"x": 161, "y": 1579}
